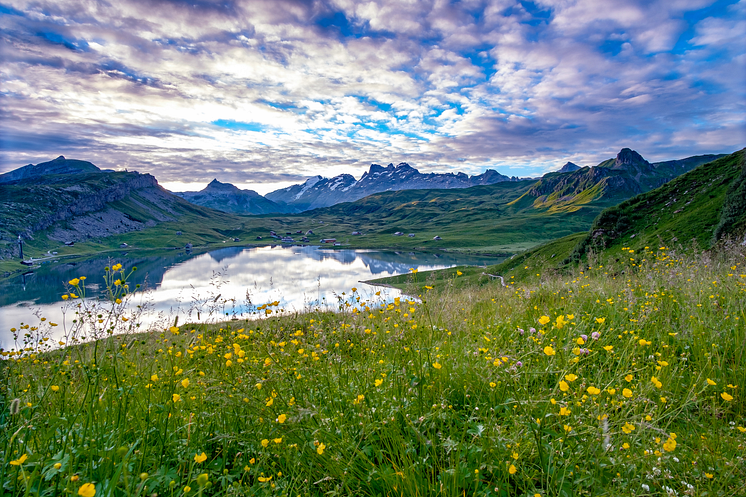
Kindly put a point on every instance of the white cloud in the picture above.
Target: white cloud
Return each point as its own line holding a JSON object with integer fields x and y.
{"x": 449, "y": 86}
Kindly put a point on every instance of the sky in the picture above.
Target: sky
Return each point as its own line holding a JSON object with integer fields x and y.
{"x": 265, "y": 93}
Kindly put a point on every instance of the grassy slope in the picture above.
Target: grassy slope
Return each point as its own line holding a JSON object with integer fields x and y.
{"x": 484, "y": 217}
{"x": 522, "y": 267}
{"x": 685, "y": 211}
{"x": 199, "y": 225}
{"x": 456, "y": 395}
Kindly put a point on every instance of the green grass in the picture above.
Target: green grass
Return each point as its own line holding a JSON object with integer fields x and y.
{"x": 683, "y": 212}
{"x": 475, "y": 390}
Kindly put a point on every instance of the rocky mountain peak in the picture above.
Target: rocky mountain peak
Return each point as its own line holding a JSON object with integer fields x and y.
{"x": 217, "y": 185}
{"x": 376, "y": 168}
{"x": 569, "y": 167}
{"x": 628, "y": 157}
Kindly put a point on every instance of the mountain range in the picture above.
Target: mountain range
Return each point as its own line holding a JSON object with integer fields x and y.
{"x": 75, "y": 201}
{"x": 619, "y": 178}
{"x": 318, "y": 191}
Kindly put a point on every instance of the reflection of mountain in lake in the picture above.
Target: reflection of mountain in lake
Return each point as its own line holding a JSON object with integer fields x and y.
{"x": 396, "y": 262}
{"x": 220, "y": 255}
{"x": 47, "y": 284}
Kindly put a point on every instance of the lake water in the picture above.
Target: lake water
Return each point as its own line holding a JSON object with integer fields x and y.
{"x": 222, "y": 284}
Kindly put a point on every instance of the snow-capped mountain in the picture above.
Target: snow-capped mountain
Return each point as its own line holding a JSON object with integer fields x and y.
{"x": 322, "y": 192}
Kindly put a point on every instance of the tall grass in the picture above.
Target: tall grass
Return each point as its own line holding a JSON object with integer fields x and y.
{"x": 625, "y": 378}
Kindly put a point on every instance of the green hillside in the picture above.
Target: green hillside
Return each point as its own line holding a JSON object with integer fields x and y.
{"x": 101, "y": 211}
{"x": 695, "y": 210}
{"x": 98, "y": 212}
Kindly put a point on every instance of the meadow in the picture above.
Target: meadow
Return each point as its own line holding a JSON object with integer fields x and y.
{"x": 622, "y": 377}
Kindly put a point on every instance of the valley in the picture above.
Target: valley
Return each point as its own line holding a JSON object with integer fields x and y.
{"x": 76, "y": 210}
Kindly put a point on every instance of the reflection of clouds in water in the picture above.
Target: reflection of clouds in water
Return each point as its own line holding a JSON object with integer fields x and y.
{"x": 299, "y": 277}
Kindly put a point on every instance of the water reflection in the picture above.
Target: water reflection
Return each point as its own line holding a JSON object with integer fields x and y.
{"x": 222, "y": 284}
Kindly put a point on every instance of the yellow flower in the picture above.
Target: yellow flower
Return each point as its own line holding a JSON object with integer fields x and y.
{"x": 74, "y": 282}
{"x": 264, "y": 479}
{"x": 176, "y": 397}
{"x": 55, "y": 388}
{"x": 87, "y": 490}
{"x": 459, "y": 273}
{"x": 19, "y": 461}
{"x": 710, "y": 382}
{"x": 265, "y": 442}
{"x": 600, "y": 320}
{"x": 656, "y": 382}
{"x": 564, "y": 386}
{"x": 567, "y": 428}
{"x": 277, "y": 440}
{"x": 493, "y": 384}
{"x": 185, "y": 382}
{"x": 320, "y": 449}
{"x": 57, "y": 465}
{"x": 512, "y": 469}
{"x": 608, "y": 348}
{"x": 378, "y": 382}
{"x": 544, "y": 320}
{"x": 270, "y": 402}
{"x": 726, "y": 396}
{"x": 548, "y": 350}
{"x": 627, "y": 392}
{"x": 437, "y": 365}
{"x": 571, "y": 377}
{"x": 669, "y": 445}
{"x": 611, "y": 391}
{"x": 564, "y": 411}
{"x": 65, "y": 297}
{"x": 593, "y": 390}
{"x": 709, "y": 475}
{"x": 628, "y": 428}
{"x": 629, "y": 378}
{"x": 580, "y": 341}
{"x": 200, "y": 457}
{"x": 173, "y": 329}
{"x": 281, "y": 418}
{"x": 625, "y": 445}
{"x": 154, "y": 377}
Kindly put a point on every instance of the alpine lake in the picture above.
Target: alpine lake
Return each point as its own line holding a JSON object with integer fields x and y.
{"x": 225, "y": 284}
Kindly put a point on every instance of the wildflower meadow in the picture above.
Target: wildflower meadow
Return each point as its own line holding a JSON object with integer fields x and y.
{"x": 624, "y": 377}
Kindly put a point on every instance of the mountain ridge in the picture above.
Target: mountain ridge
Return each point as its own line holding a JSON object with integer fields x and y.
{"x": 227, "y": 197}
{"x": 58, "y": 166}
{"x": 317, "y": 191}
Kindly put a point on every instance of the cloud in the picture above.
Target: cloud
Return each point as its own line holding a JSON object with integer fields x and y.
{"x": 274, "y": 91}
